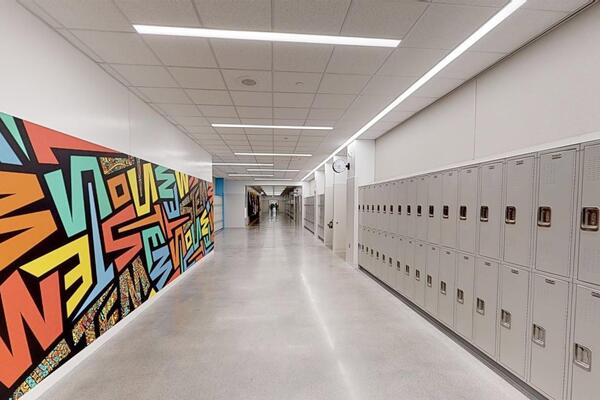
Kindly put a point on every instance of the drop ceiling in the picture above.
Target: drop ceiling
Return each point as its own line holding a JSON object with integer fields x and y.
{"x": 194, "y": 82}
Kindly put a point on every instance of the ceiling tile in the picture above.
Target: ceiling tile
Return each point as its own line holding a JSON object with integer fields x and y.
{"x": 165, "y": 95}
{"x": 257, "y": 121}
{"x": 309, "y": 16}
{"x": 357, "y": 60}
{"x": 242, "y": 54}
{"x": 341, "y": 101}
{"x": 409, "y": 61}
{"x": 206, "y": 131}
{"x": 217, "y": 111}
{"x": 550, "y": 5}
{"x": 145, "y": 75}
{"x": 301, "y": 82}
{"x": 180, "y": 110}
{"x": 255, "y": 112}
{"x": 388, "y": 19}
{"x": 234, "y": 14}
{"x": 445, "y": 26}
{"x": 223, "y": 120}
{"x": 209, "y": 97}
{"x": 182, "y": 51}
{"x": 192, "y": 121}
{"x": 98, "y": 15}
{"x": 287, "y": 112}
{"x": 159, "y": 12}
{"x": 325, "y": 113}
{"x": 343, "y": 83}
{"x": 470, "y": 64}
{"x": 130, "y": 50}
{"x": 389, "y": 85}
{"x": 198, "y": 78}
{"x": 293, "y": 99}
{"x": 301, "y": 57}
{"x": 258, "y": 99}
{"x": 234, "y": 78}
{"x": 438, "y": 87}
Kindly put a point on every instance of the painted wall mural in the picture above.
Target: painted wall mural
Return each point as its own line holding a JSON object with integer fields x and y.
{"x": 87, "y": 234}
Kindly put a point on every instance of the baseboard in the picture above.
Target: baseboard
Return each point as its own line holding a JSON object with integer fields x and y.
{"x": 70, "y": 365}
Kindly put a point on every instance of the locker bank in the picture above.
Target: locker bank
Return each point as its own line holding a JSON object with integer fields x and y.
{"x": 277, "y": 199}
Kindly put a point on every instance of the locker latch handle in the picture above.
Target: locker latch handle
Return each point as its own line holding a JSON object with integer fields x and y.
{"x": 407, "y": 269}
{"x": 398, "y": 266}
{"x": 505, "y": 319}
{"x": 391, "y": 208}
{"x": 408, "y": 209}
{"x": 417, "y": 274}
{"x": 431, "y": 211}
{"x": 419, "y": 209}
{"x": 484, "y": 214}
{"x": 480, "y": 306}
{"x": 390, "y": 262}
{"x": 385, "y": 208}
{"x": 443, "y": 287}
{"x": 539, "y": 335}
{"x": 429, "y": 280}
{"x": 510, "y": 215}
{"x": 582, "y": 357}
{"x": 463, "y": 213}
{"x": 460, "y": 296}
{"x": 589, "y": 218}
{"x": 544, "y": 217}
{"x": 399, "y": 209}
{"x": 445, "y": 212}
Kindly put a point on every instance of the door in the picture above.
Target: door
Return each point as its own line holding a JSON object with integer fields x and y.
{"x": 399, "y": 264}
{"x": 467, "y": 212}
{"x": 421, "y": 211}
{"x": 432, "y": 280}
{"x": 485, "y": 302}
{"x": 447, "y": 275}
{"x": 411, "y": 200}
{"x": 401, "y": 207}
{"x": 434, "y": 195}
{"x": 409, "y": 269}
{"x": 419, "y": 275}
{"x": 449, "y": 210}
{"x": 490, "y": 210}
{"x": 463, "y": 312}
{"x": 589, "y": 210}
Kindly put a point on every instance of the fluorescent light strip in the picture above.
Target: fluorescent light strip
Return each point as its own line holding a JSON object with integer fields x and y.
{"x": 250, "y": 126}
{"x": 271, "y": 170}
{"x": 454, "y": 54}
{"x": 250, "y": 175}
{"x": 274, "y": 154}
{"x": 265, "y": 36}
{"x": 272, "y": 179}
{"x": 233, "y": 164}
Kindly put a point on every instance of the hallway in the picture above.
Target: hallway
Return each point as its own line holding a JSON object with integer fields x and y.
{"x": 274, "y": 315}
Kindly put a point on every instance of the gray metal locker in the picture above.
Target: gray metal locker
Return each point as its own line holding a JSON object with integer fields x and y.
{"x": 586, "y": 344}
{"x": 518, "y": 210}
{"x": 378, "y": 245}
{"x": 463, "y": 311}
{"x": 385, "y": 201}
{"x": 361, "y": 244}
{"x": 421, "y": 207}
{"x": 555, "y": 211}
{"x": 467, "y": 204}
{"x": 379, "y": 199}
{"x": 449, "y": 212}
{"x": 514, "y": 300}
{"x": 401, "y": 207}
{"x": 485, "y": 303}
{"x": 391, "y": 259}
{"x": 589, "y": 210}
{"x": 384, "y": 257}
{"x": 490, "y": 209}
{"x": 434, "y": 196}
{"x": 399, "y": 264}
{"x": 549, "y": 335}
{"x": 409, "y": 269}
{"x": 419, "y": 274}
{"x": 367, "y": 218}
{"x": 446, "y": 287}
{"x": 411, "y": 201}
{"x": 392, "y": 221}
{"x": 371, "y": 251}
{"x": 432, "y": 280}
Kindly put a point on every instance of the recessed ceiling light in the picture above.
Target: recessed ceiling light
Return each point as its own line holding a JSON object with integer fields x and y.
{"x": 272, "y": 179}
{"x": 274, "y": 154}
{"x": 265, "y": 36}
{"x": 271, "y": 170}
{"x": 242, "y": 164}
{"x": 453, "y": 55}
{"x": 248, "y": 82}
{"x": 266, "y": 175}
{"x": 321, "y": 128}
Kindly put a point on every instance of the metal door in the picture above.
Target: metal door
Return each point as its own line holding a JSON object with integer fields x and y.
{"x": 419, "y": 275}
{"x": 449, "y": 212}
{"x": 411, "y": 201}
{"x": 589, "y": 210}
{"x": 490, "y": 210}
{"x": 432, "y": 280}
{"x": 467, "y": 212}
{"x": 463, "y": 311}
{"x": 421, "y": 207}
{"x": 485, "y": 303}
{"x": 446, "y": 288}
{"x": 409, "y": 269}
{"x": 434, "y": 195}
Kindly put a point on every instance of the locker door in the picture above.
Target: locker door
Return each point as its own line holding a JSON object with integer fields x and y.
{"x": 360, "y": 245}
{"x": 411, "y": 201}
{"x": 367, "y": 217}
{"x": 449, "y": 212}
{"x": 421, "y": 208}
{"x": 549, "y": 335}
{"x": 377, "y": 258}
{"x": 377, "y": 209}
{"x": 514, "y": 298}
{"x": 385, "y": 199}
{"x": 391, "y": 259}
{"x": 555, "y": 211}
{"x": 518, "y": 210}
{"x": 409, "y": 269}
{"x": 586, "y": 342}
{"x": 446, "y": 287}
{"x": 490, "y": 209}
{"x": 383, "y": 257}
{"x": 419, "y": 275}
{"x": 485, "y": 302}
{"x": 434, "y": 195}
{"x": 589, "y": 235}
{"x": 399, "y": 264}
{"x": 401, "y": 207}
{"x": 392, "y": 222}
{"x": 463, "y": 312}
{"x": 432, "y": 280}
{"x": 467, "y": 202}
{"x": 371, "y": 252}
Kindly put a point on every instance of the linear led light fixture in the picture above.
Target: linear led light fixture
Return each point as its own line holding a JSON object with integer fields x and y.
{"x": 251, "y": 126}
{"x": 500, "y": 16}
{"x": 265, "y": 175}
{"x": 274, "y": 154}
{"x": 265, "y": 36}
{"x": 235, "y": 164}
{"x": 271, "y": 170}
{"x": 272, "y": 179}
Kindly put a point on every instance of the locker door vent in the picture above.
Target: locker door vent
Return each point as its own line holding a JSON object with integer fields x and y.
{"x": 510, "y": 215}
{"x": 539, "y": 335}
{"x": 445, "y": 212}
{"x": 484, "y": 214}
{"x": 443, "y": 287}
{"x": 460, "y": 296}
{"x": 589, "y": 218}
{"x": 480, "y": 306}
{"x": 463, "y": 213}
{"x": 505, "y": 319}
{"x": 582, "y": 357}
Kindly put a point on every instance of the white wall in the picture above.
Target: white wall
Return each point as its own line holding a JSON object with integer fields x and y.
{"x": 328, "y": 171}
{"x": 46, "y": 80}
{"x": 547, "y": 92}
{"x": 234, "y": 201}
{"x": 339, "y": 211}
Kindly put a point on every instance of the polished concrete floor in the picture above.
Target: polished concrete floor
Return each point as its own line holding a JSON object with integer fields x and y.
{"x": 274, "y": 315}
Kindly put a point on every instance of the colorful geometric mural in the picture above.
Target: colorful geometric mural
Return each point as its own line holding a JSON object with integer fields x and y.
{"x": 87, "y": 234}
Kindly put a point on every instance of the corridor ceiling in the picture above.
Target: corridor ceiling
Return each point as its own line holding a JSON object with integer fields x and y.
{"x": 194, "y": 82}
